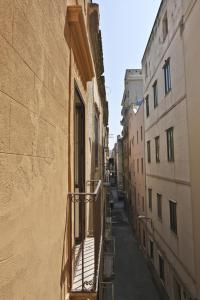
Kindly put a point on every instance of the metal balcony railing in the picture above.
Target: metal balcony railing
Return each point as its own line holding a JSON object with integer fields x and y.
{"x": 86, "y": 253}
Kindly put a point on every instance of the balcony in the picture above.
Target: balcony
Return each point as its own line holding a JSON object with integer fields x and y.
{"x": 86, "y": 226}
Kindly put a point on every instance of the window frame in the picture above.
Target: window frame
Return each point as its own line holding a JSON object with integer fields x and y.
{"x": 96, "y": 142}
{"x": 147, "y": 106}
{"x": 157, "y": 148}
{"x": 165, "y": 26}
{"x": 159, "y": 206}
{"x": 167, "y": 76}
{"x": 143, "y": 206}
{"x": 142, "y": 165}
{"x": 151, "y": 249}
{"x": 173, "y": 216}
{"x": 150, "y": 198}
{"x": 138, "y": 165}
{"x": 149, "y": 151}
{"x": 155, "y": 93}
{"x": 170, "y": 144}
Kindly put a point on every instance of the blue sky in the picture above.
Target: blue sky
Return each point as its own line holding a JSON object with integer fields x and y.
{"x": 126, "y": 26}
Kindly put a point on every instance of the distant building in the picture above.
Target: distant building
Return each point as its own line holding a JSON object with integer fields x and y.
{"x": 137, "y": 171}
{"x": 119, "y": 162}
{"x": 133, "y": 94}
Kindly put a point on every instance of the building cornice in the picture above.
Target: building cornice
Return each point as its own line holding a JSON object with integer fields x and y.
{"x": 76, "y": 36}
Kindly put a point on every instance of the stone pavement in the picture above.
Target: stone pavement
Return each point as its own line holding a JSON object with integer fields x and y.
{"x": 133, "y": 280}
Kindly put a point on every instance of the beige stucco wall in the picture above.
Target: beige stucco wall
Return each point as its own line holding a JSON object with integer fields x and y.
{"x": 171, "y": 180}
{"x": 34, "y": 136}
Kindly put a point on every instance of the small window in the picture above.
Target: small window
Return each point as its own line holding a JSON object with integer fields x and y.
{"x": 150, "y": 198}
{"x": 165, "y": 27}
{"x": 151, "y": 248}
{"x": 138, "y": 167}
{"x": 144, "y": 239}
{"x": 142, "y": 203}
{"x": 147, "y": 106}
{"x": 161, "y": 268}
{"x": 149, "y": 151}
{"x": 141, "y": 133}
{"x": 157, "y": 149}
{"x": 159, "y": 206}
{"x": 167, "y": 76}
{"x": 96, "y": 129}
{"x": 170, "y": 144}
{"x": 146, "y": 70}
{"x": 142, "y": 165}
{"x": 173, "y": 216}
{"x": 155, "y": 94}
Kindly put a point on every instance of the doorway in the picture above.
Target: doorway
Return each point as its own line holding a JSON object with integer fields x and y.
{"x": 79, "y": 167}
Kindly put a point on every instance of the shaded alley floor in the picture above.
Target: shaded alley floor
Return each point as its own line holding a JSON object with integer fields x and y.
{"x": 133, "y": 280}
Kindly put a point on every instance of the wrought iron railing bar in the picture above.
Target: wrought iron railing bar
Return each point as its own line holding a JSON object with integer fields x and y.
{"x": 95, "y": 198}
{"x": 95, "y": 193}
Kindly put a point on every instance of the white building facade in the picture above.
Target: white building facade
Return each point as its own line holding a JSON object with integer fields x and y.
{"x": 168, "y": 181}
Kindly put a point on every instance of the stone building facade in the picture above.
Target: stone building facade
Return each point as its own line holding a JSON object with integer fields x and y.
{"x": 137, "y": 172}
{"x": 171, "y": 109}
{"x": 52, "y": 93}
{"x": 133, "y": 93}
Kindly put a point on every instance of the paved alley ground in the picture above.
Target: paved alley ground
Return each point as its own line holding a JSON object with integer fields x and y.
{"x": 133, "y": 280}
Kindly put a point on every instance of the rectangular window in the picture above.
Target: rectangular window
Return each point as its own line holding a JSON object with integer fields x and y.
{"x": 138, "y": 165}
{"x": 161, "y": 268}
{"x": 96, "y": 129}
{"x": 173, "y": 216}
{"x": 142, "y": 165}
{"x": 155, "y": 94}
{"x": 144, "y": 239}
{"x": 141, "y": 133}
{"x": 167, "y": 76}
{"x": 138, "y": 199}
{"x": 150, "y": 198}
{"x": 165, "y": 26}
{"x": 146, "y": 70}
{"x": 142, "y": 203}
{"x": 147, "y": 106}
{"x": 157, "y": 148}
{"x": 159, "y": 206}
{"x": 151, "y": 249}
{"x": 149, "y": 151}
{"x": 170, "y": 144}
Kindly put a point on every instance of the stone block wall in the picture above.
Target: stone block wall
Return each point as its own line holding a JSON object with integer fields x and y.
{"x": 34, "y": 91}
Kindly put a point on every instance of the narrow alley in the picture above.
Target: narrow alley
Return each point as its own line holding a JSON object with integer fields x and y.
{"x": 99, "y": 150}
{"x": 131, "y": 271}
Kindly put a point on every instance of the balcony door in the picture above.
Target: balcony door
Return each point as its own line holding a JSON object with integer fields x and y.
{"x": 79, "y": 167}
